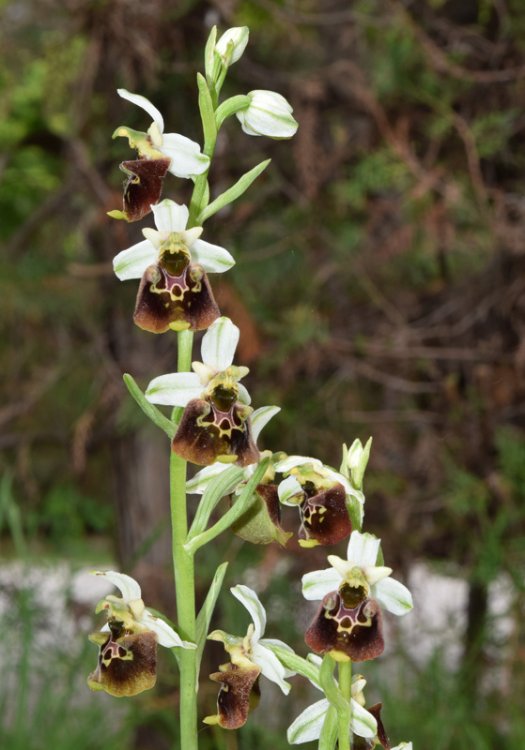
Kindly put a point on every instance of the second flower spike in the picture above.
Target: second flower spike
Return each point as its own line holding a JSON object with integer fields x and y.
{"x": 215, "y": 425}
{"x": 172, "y": 263}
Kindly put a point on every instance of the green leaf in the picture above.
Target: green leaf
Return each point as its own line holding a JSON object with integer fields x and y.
{"x": 294, "y": 662}
{"x": 206, "y": 611}
{"x": 230, "y": 107}
{"x": 156, "y": 416}
{"x": 234, "y": 192}
{"x": 222, "y": 485}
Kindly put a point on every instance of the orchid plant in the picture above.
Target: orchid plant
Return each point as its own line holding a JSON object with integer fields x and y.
{"x": 214, "y": 426}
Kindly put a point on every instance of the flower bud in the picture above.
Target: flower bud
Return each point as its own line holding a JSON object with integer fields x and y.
{"x": 268, "y": 113}
{"x": 232, "y": 44}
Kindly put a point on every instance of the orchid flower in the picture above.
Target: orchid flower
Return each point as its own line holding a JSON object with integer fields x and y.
{"x": 172, "y": 262}
{"x": 250, "y": 657}
{"x": 215, "y": 425}
{"x": 348, "y": 623}
{"x": 128, "y": 641}
{"x": 268, "y": 113}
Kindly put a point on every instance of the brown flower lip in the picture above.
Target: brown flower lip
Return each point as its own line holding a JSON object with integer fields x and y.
{"x": 127, "y": 662}
{"x": 143, "y": 186}
{"x": 206, "y": 434}
{"x": 324, "y": 515}
{"x": 238, "y": 694}
{"x": 348, "y": 624}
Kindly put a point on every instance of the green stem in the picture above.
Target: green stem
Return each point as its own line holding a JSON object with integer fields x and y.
{"x": 345, "y": 717}
{"x": 184, "y": 571}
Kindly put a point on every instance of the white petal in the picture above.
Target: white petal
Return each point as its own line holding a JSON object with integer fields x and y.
{"x": 131, "y": 263}
{"x": 403, "y": 746}
{"x": 376, "y": 573}
{"x": 128, "y": 586}
{"x": 260, "y": 418}
{"x": 319, "y": 583}
{"x": 250, "y": 600}
{"x": 393, "y": 595}
{"x": 288, "y": 489}
{"x": 363, "y": 723}
{"x": 166, "y": 636}
{"x": 244, "y": 396}
{"x": 363, "y": 549}
{"x": 219, "y": 344}
{"x": 270, "y": 666}
{"x": 291, "y": 461}
{"x": 213, "y": 258}
{"x": 170, "y": 216}
{"x": 283, "y": 645}
{"x": 145, "y": 104}
{"x": 198, "y": 484}
{"x": 175, "y": 389}
{"x": 307, "y": 727}
{"x": 185, "y": 155}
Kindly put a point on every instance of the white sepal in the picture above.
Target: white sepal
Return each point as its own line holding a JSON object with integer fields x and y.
{"x": 166, "y": 636}
{"x": 260, "y": 418}
{"x": 281, "y": 644}
{"x": 144, "y": 104}
{"x": 219, "y": 344}
{"x": 197, "y": 484}
{"x": 394, "y": 596}
{"x": 186, "y": 157}
{"x": 232, "y": 44}
{"x": 175, "y": 389}
{"x": 403, "y": 746}
{"x": 291, "y": 462}
{"x": 170, "y": 216}
{"x": 307, "y": 726}
{"x": 289, "y": 489}
{"x": 128, "y": 586}
{"x": 270, "y": 666}
{"x": 213, "y": 258}
{"x": 363, "y": 549}
{"x": 363, "y": 723}
{"x": 319, "y": 583}
{"x": 376, "y": 573}
{"x": 249, "y": 599}
{"x": 131, "y": 263}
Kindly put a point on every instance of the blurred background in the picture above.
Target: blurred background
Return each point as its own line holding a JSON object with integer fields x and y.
{"x": 379, "y": 289}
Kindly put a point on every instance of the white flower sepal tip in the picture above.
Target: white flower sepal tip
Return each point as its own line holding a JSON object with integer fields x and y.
{"x": 186, "y": 157}
{"x": 361, "y": 553}
{"x": 231, "y": 45}
{"x": 132, "y": 597}
{"x": 259, "y": 653}
{"x": 217, "y": 351}
{"x": 170, "y": 218}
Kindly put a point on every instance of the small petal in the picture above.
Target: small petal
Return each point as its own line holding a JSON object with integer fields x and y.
{"x": 363, "y": 723}
{"x": 186, "y": 157}
{"x": 288, "y": 489}
{"x": 376, "y": 573}
{"x": 170, "y": 216}
{"x": 363, "y": 549}
{"x": 403, "y": 746}
{"x": 270, "y": 666}
{"x": 219, "y": 344}
{"x": 175, "y": 389}
{"x": 394, "y": 596}
{"x": 307, "y": 726}
{"x": 166, "y": 636}
{"x": 249, "y": 599}
{"x": 261, "y": 417}
{"x": 131, "y": 263}
{"x": 319, "y": 583}
{"x": 213, "y": 258}
{"x": 146, "y": 105}
{"x": 244, "y": 396}
{"x": 128, "y": 586}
